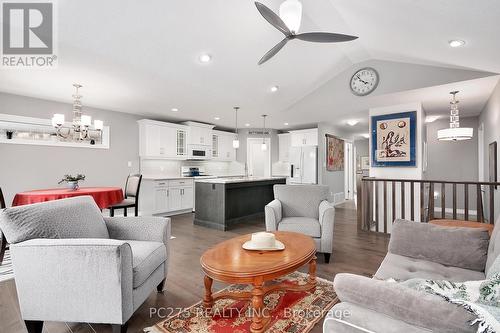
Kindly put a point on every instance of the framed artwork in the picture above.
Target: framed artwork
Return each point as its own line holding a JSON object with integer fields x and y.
{"x": 394, "y": 140}
{"x": 365, "y": 163}
{"x": 334, "y": 153}
{"x": 492, "y": 151}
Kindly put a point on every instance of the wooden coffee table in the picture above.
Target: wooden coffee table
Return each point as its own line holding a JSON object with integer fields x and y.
{"x": 228, "y": 262}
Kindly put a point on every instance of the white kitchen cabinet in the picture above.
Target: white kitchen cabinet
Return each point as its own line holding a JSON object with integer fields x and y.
{"x": 303, "y": 138}
{"x": 166, "y": 197}
{"x": 284, "y": 147}
{"x": 199, "y": 133}
{"x": 222, "y": 146}
{"x": 162, "y": 140}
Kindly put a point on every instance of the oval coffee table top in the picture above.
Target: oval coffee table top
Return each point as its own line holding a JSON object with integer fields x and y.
{"x": 229, "y": 261}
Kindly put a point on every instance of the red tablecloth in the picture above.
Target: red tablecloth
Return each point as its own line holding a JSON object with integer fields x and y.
{"x": 103, "y": 196}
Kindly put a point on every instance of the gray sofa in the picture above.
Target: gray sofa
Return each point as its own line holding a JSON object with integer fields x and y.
{"x": 416, "y": 250}
{"x": 304, "y": 209}
{"x": 73, "y": 265}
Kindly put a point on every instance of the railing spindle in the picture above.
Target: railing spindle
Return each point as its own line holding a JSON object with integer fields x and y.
{"x": 412, "y": 201}
{"x": 431, "y": 201}
{"x": 393, "y": 201}
{"x": 492, "y": 204}
{"x": 403, "y": 200}
{"x": 422, "y": 207}
{"x": 479, "y": 203}
{"x": 466, "y": 202}
{"x": 443, "y": 200}
{"x": 454, "y": 201}
{"x": 376, "y": 204}
{"x": 385, "y": 206}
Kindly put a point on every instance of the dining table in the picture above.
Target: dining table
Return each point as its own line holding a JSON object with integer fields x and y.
{"x": 103, "y": 196}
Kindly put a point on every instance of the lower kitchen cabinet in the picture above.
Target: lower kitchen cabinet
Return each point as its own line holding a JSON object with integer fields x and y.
{"x": 166, "y": 197}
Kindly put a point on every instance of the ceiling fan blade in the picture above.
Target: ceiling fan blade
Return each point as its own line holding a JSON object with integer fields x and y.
{"x": 272, "y": 18}
{"x": 324, "y": 37}
{"x": 272, "y": 52}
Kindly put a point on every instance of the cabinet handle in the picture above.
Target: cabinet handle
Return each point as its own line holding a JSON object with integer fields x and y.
{"x": 168, "y": 193}
{"x": 161, "y": 183}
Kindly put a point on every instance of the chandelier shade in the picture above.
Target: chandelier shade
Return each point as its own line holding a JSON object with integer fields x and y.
{"x": 291, "y": 14}
{"x": 455, "y": 132}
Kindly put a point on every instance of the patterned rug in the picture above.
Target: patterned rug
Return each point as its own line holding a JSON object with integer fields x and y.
{"x": 6, "y": 272}
{"x": 295, "y": 312}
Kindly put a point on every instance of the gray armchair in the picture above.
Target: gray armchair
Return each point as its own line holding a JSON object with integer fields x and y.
{"x": 303, "y": 209}
{"x": 73, "y": 265}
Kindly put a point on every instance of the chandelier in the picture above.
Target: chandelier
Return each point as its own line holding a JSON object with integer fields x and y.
{"x": 81, "y": 128}
{"x": 455, "y": 132}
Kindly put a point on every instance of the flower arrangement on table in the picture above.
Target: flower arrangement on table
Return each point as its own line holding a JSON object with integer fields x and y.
{"x": 72, "y": 181}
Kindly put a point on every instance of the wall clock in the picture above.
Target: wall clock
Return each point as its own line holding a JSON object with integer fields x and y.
{"x": 364, "y": 81}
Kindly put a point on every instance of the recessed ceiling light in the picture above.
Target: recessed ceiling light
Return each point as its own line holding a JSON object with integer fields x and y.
{"x": 352, "y": 122}
{"x": 217, "y": 118}
{"x": 456, "y": 43}
{"x": 365, "y": 135}
{"x": 175, "y": 109}
{"x": 286, "y": 124}
{"x": 204, "y": 58}
{"x": 431, "y": 119}
{"x": 274, "y": 88}
{"x": 247, "y": 125}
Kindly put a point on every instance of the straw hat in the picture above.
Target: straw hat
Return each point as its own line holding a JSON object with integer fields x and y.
{"x": 263, "y": 241}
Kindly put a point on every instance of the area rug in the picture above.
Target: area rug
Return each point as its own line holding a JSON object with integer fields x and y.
{"x": 6, "y": 271}
{"x": 295, "y": 312}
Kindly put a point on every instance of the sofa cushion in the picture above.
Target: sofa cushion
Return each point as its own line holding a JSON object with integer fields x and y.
{"x": 356, "y": 317}
{"x": 405, "y": 268}
{"x": 77, "y": 217}
{"x": 147, "y": 256}
{"x": 303, "y": 225}
{"x": 300, "y": 200}
{"x": 400, "y": 302}
{"x": 460, "y": 247}
{"x": 493, "y": 248}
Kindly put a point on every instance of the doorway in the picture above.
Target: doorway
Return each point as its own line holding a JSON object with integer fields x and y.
{"x": 259, "y": 161}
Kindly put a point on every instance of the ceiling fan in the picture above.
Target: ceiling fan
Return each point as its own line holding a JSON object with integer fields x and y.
{"x": 288, "y": 22}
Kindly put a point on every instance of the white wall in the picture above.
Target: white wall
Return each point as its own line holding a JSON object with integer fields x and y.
{"x": 490, "y": 120}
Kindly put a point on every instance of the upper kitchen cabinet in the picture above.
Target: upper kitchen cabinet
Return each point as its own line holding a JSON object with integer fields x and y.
{"x": 162, "y": 140}
{"x": 301, "y": 138}
{"x": 222, "y": 146}
{"x": 284, "y": 147}
{"x": 199, "y": 133}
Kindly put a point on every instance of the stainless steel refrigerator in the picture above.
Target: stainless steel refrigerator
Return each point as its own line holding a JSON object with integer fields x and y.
{"x": 304, "y": 165}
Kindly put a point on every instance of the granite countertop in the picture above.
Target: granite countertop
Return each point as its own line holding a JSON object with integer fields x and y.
{"x": 230, "y": 180}
{"x": 160, "y": 177}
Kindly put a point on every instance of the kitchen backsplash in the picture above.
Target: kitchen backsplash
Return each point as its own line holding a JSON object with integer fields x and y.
{"x": 171, "y": 168}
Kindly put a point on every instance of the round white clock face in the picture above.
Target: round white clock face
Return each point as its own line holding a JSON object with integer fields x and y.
{"x": 364, "y": 81}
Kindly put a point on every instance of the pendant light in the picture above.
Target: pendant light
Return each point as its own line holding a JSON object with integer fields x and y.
{"x": 264, "y": 144}
{"x": 455, "y": 132}
{"x": 236, "y": 141}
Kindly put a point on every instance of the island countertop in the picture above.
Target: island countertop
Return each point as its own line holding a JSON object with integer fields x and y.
{"x": 232, "y": 180}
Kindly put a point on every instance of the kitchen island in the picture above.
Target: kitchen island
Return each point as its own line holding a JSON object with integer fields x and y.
{"x": 222, "y": 203}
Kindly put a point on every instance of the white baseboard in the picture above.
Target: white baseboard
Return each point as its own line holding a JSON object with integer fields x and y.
{"x": 338, "y": 198}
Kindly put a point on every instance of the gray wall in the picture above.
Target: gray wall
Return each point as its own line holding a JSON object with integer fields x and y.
{"x": 362, "y": 149}
{"x": 490, "y": 120}
{"x": 27, "y": 167}
{"x": 455, "y": 161}
{"x": 334, "y": 179}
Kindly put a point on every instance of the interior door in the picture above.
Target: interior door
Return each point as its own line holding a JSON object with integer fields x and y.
{"x": 259, "y": 161}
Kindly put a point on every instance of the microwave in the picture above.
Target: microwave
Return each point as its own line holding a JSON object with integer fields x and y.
{"x": 199, "y": 152}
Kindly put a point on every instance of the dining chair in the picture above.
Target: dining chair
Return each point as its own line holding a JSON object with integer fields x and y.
{"x": 132, "y": 187}
{"x": 3, "y": 241}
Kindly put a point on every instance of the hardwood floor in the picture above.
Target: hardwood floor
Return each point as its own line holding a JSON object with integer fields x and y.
{"x": 354, "y": 252}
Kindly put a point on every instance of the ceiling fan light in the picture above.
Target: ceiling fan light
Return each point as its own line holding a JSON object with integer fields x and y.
{"x": 291, "y": 14}
{"x": 455, "y": 134}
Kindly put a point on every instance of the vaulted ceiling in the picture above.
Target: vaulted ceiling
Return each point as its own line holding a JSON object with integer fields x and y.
{"x": 142, "y": 56}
